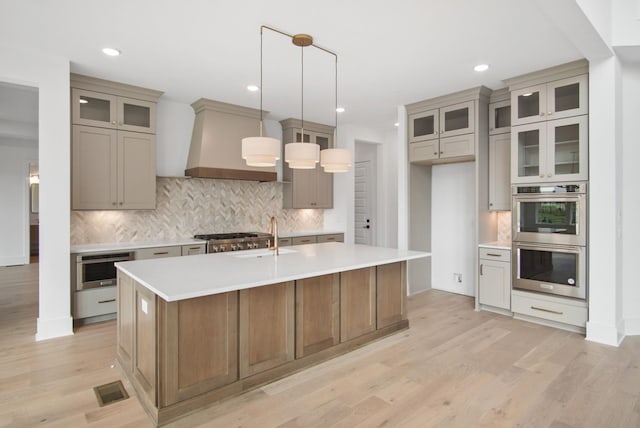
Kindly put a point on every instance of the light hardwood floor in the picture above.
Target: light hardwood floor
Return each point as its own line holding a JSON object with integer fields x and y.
{"x": 453, "y": 368}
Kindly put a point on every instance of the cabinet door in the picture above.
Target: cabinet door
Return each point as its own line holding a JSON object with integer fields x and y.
{"x": 144, "y": 342}
{"x": 198, "y": 346}
{"x": 424, "y": 126}
{"x": 357, "y": 303}
{"x": 157, "y": 252}
{"x": 317, "y": 314}
{"x": 424, "y": 152}
{"x": 93, "y": 109}
{"x": 567, "y": 142}
{"x": 94, "y": 168}
{"x": 125, "y": 321}
{"x": 305, "y": 188}
{"x": 499, "y": 172}
{"x": 267, "y": 330}
{"x": 136, "y": 170}
{"x": 568, "y": 97}
{"x": 500, "y": 117}
{"x": 324, "y": 180}
{"x": 460, "y": 145}
{"x": 192, "y": 250}
{"x": 528, "y": 105}
{"x": 457, "y": 119}
{"x": 494, "y": 288}
{"x": 391, "y": 293}
{"x": 528, "y": 152}
{"x": 95, "y": 301}
{"x": 136, "y": 115}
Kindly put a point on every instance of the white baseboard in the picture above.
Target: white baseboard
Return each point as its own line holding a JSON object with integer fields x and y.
{"x": 51, "y": 328}
{"x": 632, "y": 327}
{"x": 604, "y": 333}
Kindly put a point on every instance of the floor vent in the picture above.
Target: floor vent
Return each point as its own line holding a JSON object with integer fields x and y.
{"x": 110, "y": 393}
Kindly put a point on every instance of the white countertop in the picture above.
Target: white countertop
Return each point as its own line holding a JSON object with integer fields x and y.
{"x": 179, "y": 278}
{"x": 118, "y": 246}
{"x": 308, "y": 233}
{"x": 500, "y": 245}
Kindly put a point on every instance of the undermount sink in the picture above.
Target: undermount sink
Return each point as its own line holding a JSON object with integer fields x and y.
{"x": 261, "y": 252}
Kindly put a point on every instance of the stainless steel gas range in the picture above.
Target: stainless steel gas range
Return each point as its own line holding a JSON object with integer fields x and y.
{"x": 222, "y": 242}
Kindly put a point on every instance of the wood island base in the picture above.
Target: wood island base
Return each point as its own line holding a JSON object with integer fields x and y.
{"x": 185, "y": 355}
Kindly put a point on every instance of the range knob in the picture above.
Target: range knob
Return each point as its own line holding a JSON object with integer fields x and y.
{"x": 214, "y": 249}
{"x": 234, "y": 247}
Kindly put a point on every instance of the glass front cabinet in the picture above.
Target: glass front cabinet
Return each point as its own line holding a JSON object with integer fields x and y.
{"x": 110, "y": 111}
{"x": 554, "y": 100}
{"x": 551, "y": 151}
{"x": 457, "y": 119}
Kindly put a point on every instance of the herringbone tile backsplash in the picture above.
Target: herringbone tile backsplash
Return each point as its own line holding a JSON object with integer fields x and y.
{"x": 186, "y": 206}
{"x": 504, "y": 226}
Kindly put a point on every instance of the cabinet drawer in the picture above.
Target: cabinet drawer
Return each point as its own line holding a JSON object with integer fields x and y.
{"x": 158, "y": 253}
{"x": 302, "y": 240}
{"x": 190, "y": 250}
{"x": 335, "y": 237}
{"x": 494, "y": 254}
{"x": 551, "y": 308}
{"x": 285, "y": 242}
{"x": 96, "y": 301}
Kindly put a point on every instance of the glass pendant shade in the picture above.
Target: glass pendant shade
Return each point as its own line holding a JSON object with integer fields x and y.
{"x": 301, "y": 155}
{"x": 335, "y": 160}
{"x": 260, "y": 151}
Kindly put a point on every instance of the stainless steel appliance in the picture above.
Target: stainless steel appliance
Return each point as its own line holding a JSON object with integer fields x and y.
{"x": 551, "y": 214}
{"x": 98, "y": 270}
{"x": 549, "y": 253}
{"x": 222, "y": 242}
{"x": 547, "y": 268}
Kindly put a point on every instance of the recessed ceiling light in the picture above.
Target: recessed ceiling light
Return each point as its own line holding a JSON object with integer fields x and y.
{"x": 340, "y": 109}
{"x": 481, "y": 67}
{"x": 396, "y": 124}
{"x": 252, "y": 88}
{"x": 111, "y": 51}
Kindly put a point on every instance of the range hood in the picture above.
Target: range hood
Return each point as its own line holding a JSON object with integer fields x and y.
{"x": 216, "y": 142}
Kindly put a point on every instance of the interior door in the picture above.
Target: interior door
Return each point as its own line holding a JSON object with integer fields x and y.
{"x": 363, "y": 231}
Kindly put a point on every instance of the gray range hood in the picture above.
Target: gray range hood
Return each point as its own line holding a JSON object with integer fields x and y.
{"x": 216, "y": 142}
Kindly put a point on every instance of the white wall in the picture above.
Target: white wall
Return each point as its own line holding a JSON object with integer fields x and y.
{"x": 50, "y": 74}
{"x": 14, "y": 194}
{"x": 631, "y": 197}
{"x": 453, "y": 226}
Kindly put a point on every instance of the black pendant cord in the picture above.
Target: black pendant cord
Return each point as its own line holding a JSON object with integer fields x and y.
{"x": 335, "y": 143}
{"x": 261, "y": 81}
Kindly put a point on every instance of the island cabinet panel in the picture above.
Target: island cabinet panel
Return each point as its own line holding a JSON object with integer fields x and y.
{"x": 357, "y": 303}
{"x": 317, "y": 314}
{"x": 125, "y": 321}
{"x": 267, "y": 330}
{"x": 198, "y": 345}
{"x": 391, "y": 294}
{"x": 144, "y": 355}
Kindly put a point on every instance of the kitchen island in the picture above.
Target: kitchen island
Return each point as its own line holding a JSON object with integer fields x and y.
{"x": 193, "y": 330}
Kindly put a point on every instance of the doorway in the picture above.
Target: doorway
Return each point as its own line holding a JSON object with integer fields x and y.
{"x": 365, "y": 201}
{"x": 18, "y": 156}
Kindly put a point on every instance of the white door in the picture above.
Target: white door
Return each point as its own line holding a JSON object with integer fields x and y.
{"x": 363, "y": 224}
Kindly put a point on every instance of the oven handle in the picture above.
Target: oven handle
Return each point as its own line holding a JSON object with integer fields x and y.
{"x": 560, "y": 248}
{"x": 548, "y": 198}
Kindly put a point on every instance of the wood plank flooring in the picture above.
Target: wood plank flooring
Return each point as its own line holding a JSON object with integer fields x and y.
{"x": 454, "y": 367}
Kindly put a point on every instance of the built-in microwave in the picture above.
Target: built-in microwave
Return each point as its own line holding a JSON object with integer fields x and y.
{"x": 552, "y": 214}
{"x": 98, "y": 270}
{"x": 553, "y": 269}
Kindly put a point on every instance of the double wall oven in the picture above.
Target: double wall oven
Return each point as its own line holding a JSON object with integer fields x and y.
{"x": 550, "y": 238}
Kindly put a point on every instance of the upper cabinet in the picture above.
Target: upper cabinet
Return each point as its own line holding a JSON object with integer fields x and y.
{"x": 549, "y": 125}
{"x": 553, "y": 100}
{"x": 444, "y": 129}
{"x": 109, "y": 111}
{"x": 307, "y": 188}
{"x": 113, "y": 145}
{"x": 499, "y": 117}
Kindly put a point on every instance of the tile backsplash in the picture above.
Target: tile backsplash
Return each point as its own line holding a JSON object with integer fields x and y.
{"x": 186, "y": 206}
{"x": 504, "y": 225}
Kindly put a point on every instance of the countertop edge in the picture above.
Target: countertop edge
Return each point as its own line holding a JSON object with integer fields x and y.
{"x": 500, "y": 245}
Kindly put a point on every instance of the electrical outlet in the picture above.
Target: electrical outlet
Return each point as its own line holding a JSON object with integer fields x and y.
{"x": 457, "y": 277}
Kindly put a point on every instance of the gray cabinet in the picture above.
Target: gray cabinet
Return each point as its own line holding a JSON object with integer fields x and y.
{"x": 445, "y": 129}
{"x": 494, "y": 286}
{"x": 307, "y": 188}
{"x": 158, "y": 252}
{"x": 500, "y": 172}
{"x": 113, "y": 145}
{"x": 194, "y": 249}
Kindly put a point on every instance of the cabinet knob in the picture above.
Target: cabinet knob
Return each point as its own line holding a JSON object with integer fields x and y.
{"x": 549, "y": 175}
{"x": 113, "y": 203}
{"x": 550, "y": 113}
{"x": 113, "y": 122}
{"x": 435, "y": 153}
{"x": 490, "y": 204}
{"x": 121, "y": 203}
{"x": 441, "y": 153}
{"x": 490, "y": 129}
{"x": 541, "y": 175}
{"x": 121, "y": 123}
{"x": 541, "y": 113}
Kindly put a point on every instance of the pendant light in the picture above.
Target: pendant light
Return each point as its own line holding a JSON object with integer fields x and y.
{"x": 335, "y": 160}
{"x": 301, "y": 155}
{"x": 260, "y": 151}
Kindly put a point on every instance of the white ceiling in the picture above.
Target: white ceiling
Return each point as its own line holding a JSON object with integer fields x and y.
{"x": 389, "y": 53}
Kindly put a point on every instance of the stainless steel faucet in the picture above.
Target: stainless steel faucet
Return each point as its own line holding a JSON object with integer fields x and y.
{"x": 274, "y": 232}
